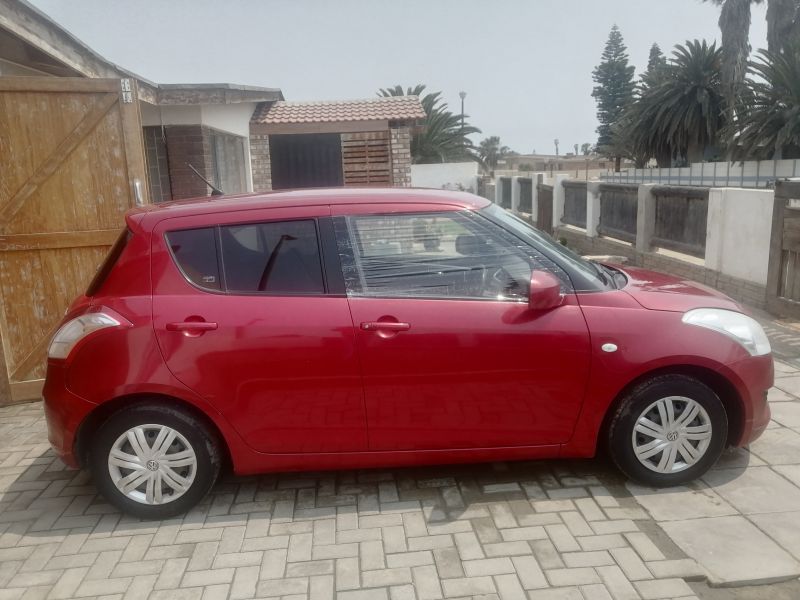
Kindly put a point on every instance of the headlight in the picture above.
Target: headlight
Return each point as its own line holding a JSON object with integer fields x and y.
{"x": 75, "y": 330}
{"x": 735, "y": 325}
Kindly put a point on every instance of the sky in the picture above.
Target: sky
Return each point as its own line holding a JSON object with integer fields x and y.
{"x": 526, "y": 65}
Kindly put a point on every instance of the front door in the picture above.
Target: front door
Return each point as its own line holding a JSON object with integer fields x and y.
{"x": 245, "y": 317}
{"x": 451, "y": 355}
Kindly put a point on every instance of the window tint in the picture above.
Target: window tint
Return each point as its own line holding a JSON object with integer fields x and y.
{"x": 453, "y": 254}
{"x": 277, "y": 257}
{"x": 195, "y": 250}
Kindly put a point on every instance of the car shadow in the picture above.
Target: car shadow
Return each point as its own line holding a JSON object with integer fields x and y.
{"x": 46, "y": 497}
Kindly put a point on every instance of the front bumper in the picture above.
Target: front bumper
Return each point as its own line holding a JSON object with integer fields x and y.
{"x": 64, "y": 412}
{"x": 755, "y": 377}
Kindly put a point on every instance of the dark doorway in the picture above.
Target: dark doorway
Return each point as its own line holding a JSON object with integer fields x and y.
{"x": 306, "y": 160}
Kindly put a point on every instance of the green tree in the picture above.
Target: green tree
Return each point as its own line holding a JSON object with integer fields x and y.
{"x": 770, "y": 126}
{"x": 613, "y": 91}
{"x": 443, "y": 139}
{"x": 491, "y": 151}
{"x": 586, "y": 148}
{"x": 680, "y": 114}
{"x": 656, "y": 59}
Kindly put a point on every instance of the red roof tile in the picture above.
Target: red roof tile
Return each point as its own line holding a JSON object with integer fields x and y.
{"x": 394, "y": 108}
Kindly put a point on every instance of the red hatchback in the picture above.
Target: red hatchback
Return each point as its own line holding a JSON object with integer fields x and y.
{"x": 358, "y": 328}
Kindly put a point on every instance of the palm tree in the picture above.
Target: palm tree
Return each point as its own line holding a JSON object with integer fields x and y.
{"x": 681, "y": 112}
{"x": 770, "y": 127}
{"x": 444, "y": 139}
{"x": 734, "y": 23}
{"x": 490, "y": 151}
{"x": 783, "y": 24}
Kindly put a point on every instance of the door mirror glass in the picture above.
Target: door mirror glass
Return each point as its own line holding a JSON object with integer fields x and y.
{"x": 545, "y": 291}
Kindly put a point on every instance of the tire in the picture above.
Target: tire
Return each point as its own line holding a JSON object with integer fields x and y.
{"x": 696, "y": 443}
{"x": 181, "y": 459}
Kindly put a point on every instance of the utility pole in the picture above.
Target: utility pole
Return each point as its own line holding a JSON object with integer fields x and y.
{"x": 555, "y": 141}
{"x": 462, "y": 95}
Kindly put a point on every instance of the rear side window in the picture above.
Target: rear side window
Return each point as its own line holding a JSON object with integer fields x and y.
{"x": 195, "y": 251}
{"x": 275, "y": 257}
{"x": 270, "y": 258}
{"x": 108, "y": 264}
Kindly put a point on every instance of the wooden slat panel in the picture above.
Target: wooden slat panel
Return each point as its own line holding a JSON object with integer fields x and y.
{"x": 66, "y": 239}
{"x": 55, "y": 160}
{"x": 69, "y": 152}
{"x": 366, "y": 158}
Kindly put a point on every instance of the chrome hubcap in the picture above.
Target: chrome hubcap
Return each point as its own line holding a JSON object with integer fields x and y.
{"x": 671, "y": 434}
{"x": 152, "y": 464}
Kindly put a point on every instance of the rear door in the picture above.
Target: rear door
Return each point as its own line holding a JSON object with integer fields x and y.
{"x": 247, "y": 316}
{"x": 451, "y": 355}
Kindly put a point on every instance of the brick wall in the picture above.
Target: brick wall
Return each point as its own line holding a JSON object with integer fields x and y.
{"x": 188, "y": 144}
{"x": 740, "y": 290}
{"x": 401, "y": 156}
{"x": 260, "y": 162}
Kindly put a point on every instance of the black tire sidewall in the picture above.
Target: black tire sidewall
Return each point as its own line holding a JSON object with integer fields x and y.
{"x": 198, "y": 436}
{"x": 631, "y": 408}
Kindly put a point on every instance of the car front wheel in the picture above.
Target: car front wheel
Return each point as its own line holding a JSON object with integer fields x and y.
{"x": 668, "y": 430}
{"x": 154, "y": 462}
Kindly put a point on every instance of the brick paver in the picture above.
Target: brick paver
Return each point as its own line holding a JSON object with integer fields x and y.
{"x": 505, "y": 530}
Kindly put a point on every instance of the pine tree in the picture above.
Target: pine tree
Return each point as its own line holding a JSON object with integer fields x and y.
{"x": 613, "y": 92}
{"x": 656, "y": 58}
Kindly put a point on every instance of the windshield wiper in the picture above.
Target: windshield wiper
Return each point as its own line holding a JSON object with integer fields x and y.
{"x": 600, "y": 270}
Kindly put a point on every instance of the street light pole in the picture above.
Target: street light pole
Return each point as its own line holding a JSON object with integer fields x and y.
{"x": 462, "y": 95}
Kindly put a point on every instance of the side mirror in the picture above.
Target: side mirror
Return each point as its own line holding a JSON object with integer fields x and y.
{"x": 545, "y": 292}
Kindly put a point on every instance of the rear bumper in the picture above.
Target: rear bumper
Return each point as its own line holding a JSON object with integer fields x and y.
{"x": 756, "y": 377}
{"x": 64, "y": 412}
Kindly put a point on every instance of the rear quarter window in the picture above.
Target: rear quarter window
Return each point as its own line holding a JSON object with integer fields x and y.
{"x": 195, "y": 252}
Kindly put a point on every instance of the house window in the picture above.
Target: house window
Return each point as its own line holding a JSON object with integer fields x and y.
{"x": 227, "y": 159}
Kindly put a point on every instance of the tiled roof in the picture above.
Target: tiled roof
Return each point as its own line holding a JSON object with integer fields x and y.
{"x": 394, "y": 108}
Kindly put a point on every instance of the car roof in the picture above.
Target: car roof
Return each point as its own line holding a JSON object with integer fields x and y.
{"x": 309, "y": 197}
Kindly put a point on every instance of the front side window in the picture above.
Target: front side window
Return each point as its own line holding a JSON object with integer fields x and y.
{"x": 280, "y": 257}
{"x": 436, "y": 255}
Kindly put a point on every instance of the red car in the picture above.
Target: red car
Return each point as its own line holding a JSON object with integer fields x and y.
{"x": 347, "y": 328}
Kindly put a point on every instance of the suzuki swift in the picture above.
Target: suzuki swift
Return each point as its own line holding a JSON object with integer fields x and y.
{"x": 345, "y": 328}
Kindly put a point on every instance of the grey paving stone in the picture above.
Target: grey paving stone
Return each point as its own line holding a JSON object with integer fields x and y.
{"x": 732, "y": 550}
{"x": 680, "y": 502}
{"x": 755, "y": 490}
{"x": 778, "y": 446}
{"x": 786, "y": 413}
{"x": 784, "y": 528}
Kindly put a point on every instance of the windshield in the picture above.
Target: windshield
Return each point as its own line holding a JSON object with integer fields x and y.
{"x": 585, "y": 275}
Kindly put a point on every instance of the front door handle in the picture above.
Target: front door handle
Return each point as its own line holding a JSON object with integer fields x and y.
{"x": 191, "y": 326}
{"x": 385, "y": 326}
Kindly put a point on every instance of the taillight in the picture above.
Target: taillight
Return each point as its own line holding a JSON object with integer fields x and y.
{"x": 77, "y": 329}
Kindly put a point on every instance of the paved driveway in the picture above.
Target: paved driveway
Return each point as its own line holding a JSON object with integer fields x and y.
{"x": 561, "y": 530}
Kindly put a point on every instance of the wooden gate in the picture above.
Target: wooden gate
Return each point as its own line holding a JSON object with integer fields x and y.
{"x": 71, "y": 163}
{"x": 783, "y": 276}
{"x": 544, "y": 217}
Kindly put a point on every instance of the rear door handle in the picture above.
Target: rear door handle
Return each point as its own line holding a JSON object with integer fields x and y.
{"x": 191, "y": 326}
{"x": 385, "y": 326}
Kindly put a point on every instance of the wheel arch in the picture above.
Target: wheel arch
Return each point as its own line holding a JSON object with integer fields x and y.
{"x": 719, "y": 384}
{"x": 95, "y": 420}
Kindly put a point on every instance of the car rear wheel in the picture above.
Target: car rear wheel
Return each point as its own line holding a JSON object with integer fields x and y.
{"x": 154, "y": 462}
{"x": 668, "y": 430}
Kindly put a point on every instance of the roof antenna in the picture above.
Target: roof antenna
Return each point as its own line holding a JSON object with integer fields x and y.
{"x": 215, "y": 191}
